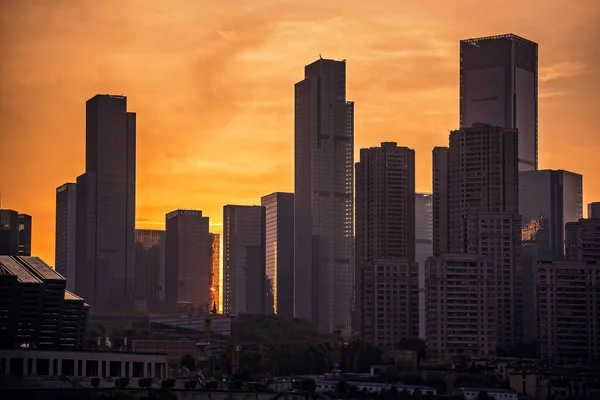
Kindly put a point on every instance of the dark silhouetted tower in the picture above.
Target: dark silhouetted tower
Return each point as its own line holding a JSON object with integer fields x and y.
{"x": 66, "y": 235}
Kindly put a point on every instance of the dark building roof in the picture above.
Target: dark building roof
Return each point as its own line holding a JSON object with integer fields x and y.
{"x": 28, "y": 269}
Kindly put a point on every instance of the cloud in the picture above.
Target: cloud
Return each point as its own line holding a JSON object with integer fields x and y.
{"x": 561, "y": 70}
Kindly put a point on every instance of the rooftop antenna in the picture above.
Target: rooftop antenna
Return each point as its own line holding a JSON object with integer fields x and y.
{"x": 320, "y": 56}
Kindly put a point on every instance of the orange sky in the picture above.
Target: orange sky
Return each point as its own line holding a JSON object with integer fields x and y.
{"x": 212, "y": 84}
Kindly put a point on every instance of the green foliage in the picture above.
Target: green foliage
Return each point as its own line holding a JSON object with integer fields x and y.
{"x": 389, "y": 374}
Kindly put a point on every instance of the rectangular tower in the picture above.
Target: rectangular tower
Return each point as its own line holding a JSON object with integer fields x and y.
{"x": 499, "y": 86}
{"x": 279, "y": 253}
{"x": 66, "y": 236}
{"x": 188, "y": 261}
{"x": 25, "y": 235}
{"x": 423, "y": 247}
{"x": 106, "y": 206}
{"x": 323, "y": 186}
{"x": 9, "y": 233}
{"x": 216, "y": 279}
{"x": 386, "y": 274}
{"x": 149, "y": 268}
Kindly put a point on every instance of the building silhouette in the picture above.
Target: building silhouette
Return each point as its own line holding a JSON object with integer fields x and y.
{"x": 149, "y": 280}
{"x": 25, "y": 235}
{"x": 548, "y": 200}
{"x": 9, "y": 233}
{"x": 66, "y": 235}
{"x": 215, "y": 287}
{"x": 106, "y": 206}
{"x": 499, "y": 86}
{"x": 244, "y": 276}
{"x": 279, "y": 253}
{"x": 594, "y": 210}
{"x": 323, "y": 187}
{"x": 423, "y": 247}
{"x": 481, "y": 216}
{"x": 386, "y": 273}
{"x": 188, "y": 264}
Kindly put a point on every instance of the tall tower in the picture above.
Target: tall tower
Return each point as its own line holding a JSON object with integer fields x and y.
{"x": 66, "y": 236}
{"x": 215, "y": 284}
{"x": 9, "y": 233}
{"x": 188, "y": 260}
{"x": 25, "y": 235}
{"x": 149, "y": 268}
{"x": 423, "y": 247}
{"x": 323, "y": 186}
{"x": 499, "y": 86}
{"x": 279, "y": 253}
{"x": 386, "y": 273}
{"x": 243, "y": 259}
{"x": 106, "y": 206}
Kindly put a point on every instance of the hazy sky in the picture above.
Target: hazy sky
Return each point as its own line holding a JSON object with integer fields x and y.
{"x": 212, "y": 85}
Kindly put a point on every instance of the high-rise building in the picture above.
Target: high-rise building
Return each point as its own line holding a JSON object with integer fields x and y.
{"x": 24, "y": 235}
{"x": 9, "y": 233}
{"x": 106, "y": 206}
{"x": 483, "y": 221}
{"x": 499, "y": 86}
{"x": 323, "y": 187}
{"x": 582, "y": 240}
{"x": 188, "y": 264}
{"x": 149, "y": 280}
{"x": 594, "y": 210}
{"x": 66, "y": 236}
{"x": 386, "y": 274}
{"x": 548, "y": 200}
{"x": 423, "y": 247}
{"x": 279, "y": 253}
{"x": 568, "y": 308}
{"x": 244, "y": 259}
{"x": 215, "y": 286}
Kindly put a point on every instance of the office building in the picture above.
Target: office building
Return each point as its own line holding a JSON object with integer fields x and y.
{"x": 215, "y": 286}
{"x": 279, "y": 253}
{"x": 582, "y": 240}
{"x": 323, "y": 187}
{"x": 244, "y": 286}
{"x": 548, "y": 200}
{"x": 37, "y": 310}
{"x": 9, "y": 233}
{"x": 568, "y": 308}
{"x": 188, "y": 264}
{"x": 149, "y": 280}
{"x": 499, "y": 86}
{"x": 106, "y": 206}
{"x": 461, "y": 307}
{"x": 386, "y": 273}
{"x": 66, "y": 236}
{"x": 481, "y": 170}
{"x": 423, "y": 247}
{"x": 25, "y": 235}
{"x": 594, "y": 210}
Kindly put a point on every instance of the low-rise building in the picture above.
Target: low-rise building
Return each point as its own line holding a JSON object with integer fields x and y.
{"x": 494, "y": 393}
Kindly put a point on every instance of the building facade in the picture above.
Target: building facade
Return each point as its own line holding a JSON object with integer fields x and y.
{"x": 386, "y": 273}
{"x": 499, "y": 86}
{"x": 548, "y": 200}
{"x": 106, "y": 206}
{"x": 38, "y": 311}
{"x": 594, "y": 210}
{"x": 279, "y": 253}
{"x": 323, "y": 187}
{"x": 9, "y": 233}
{"x": 188, "y": 264}
{"x": 65, "y": 234}
{"x": 216, "y": 278}
{"x": 461, "y": 307}
{"x": 583, "y": 240}
{"x": 244, "y": 276}
{"x": 423, "y": 247}
{"x": 25, "y": 226}
{"x": 149, "y": 283}
{"x": 481, "y": 170}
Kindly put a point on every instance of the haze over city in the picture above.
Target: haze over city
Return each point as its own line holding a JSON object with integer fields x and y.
{"x": 212, "y": 86}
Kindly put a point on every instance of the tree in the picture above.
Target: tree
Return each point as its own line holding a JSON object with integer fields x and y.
{"x": 188, "y": 362}
{"x": 308, "y": 385}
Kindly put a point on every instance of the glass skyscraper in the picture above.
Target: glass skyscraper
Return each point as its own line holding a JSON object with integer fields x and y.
{"x": 499, "y": 86}
{"x": 323, "y": 187}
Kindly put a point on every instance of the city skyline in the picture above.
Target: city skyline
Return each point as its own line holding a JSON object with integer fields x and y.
{"x": 419, "y": 63}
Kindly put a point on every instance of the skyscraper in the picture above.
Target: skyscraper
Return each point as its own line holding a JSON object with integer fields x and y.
{"x": 25, "y": 235}
{"x": 188, "y": 260}
{"x": 594, "y": 210}
{"x": 423, "y": 247}
{"x": 9, "y": 233}
{"x": 106, "y": 206}
{"x": 483, "y": 222}
{"x": 323, "y": 187}
{"x": 244, "y": 259}
{"x": 548, "y": 200}
{"x": 499, "y": 86}
{"x": 149, "y": 280}
{"x": 215, "y": 287}
{"x": 386, "y": 274}
{"x": 279, "y": 253}
{"x": 66, "y": 236}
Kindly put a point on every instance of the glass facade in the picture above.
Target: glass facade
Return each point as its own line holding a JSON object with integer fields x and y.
{"x": 149, "y": 267}
{"x": 499, "y": 86}
{"x": 65, "y": 239}
{"x": 215, "y": 287}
